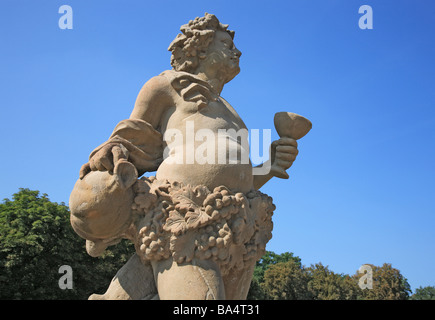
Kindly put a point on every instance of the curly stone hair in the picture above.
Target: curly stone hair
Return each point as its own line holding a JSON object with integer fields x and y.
{"x": 191, "y": 45}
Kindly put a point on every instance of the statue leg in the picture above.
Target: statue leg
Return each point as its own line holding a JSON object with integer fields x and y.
{"x": 195, "y": 280}
{"x": 237, "y": 283}
{"x": 134, "y": 281}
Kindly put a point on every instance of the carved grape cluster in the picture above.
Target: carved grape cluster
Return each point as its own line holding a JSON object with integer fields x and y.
{"x": 192, "y": 222}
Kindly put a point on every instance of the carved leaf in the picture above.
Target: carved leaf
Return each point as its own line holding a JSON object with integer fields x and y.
{"x": 175, "y": 223}
{"x": 184, "y": 205}
{"x": 183, "y": 247}
{"x": 197, "y": 219}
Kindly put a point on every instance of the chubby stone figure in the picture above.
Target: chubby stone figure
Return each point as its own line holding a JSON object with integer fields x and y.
{"x": 200, "y": 224}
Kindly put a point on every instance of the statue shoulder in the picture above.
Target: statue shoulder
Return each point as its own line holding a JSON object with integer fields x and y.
{"x": 156, "y": 89}
{"x": 190, "y": 87}
{"x": 172, "y": 75}
{"x": 157, "y": 83}
{"x": 154, "y": 98}
{"x": 180, "y": 79}
{"x": 166, "y": 82}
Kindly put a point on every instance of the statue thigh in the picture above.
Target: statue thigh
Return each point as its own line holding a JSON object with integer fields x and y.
{"x": 195, "y": 280}
{"x": 237, "y": 283}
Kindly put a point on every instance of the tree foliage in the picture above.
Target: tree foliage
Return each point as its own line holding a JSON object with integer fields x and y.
{"x": 286, "y": 281}
{"x": 424, "y": 293}
{"x": 256, "y": 291}
{"x": 36, "y": 239}
{"x": 388, "y": 284}
{"x": 284, "y": 277}
{"x": 324, "y": 284}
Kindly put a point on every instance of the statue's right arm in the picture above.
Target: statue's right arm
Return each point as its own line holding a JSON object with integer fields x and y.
{"x": 153, "y": 100}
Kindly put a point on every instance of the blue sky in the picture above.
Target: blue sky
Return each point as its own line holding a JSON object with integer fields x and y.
{"x": 362, "y": 188}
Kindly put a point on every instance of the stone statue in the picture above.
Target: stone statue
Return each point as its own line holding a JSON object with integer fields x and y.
{"x": 198, "y": 226}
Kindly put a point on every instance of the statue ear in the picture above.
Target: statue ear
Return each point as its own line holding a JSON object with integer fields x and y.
{"x": 126, "y": 173}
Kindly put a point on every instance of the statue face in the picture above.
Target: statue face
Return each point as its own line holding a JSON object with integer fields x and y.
{"x": 223, "y": 56}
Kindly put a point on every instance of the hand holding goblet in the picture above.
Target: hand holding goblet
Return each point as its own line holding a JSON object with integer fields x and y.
{"x": 290, "y": 125}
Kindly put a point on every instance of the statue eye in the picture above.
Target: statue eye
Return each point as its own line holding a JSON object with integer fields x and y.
{"x": 227, "y": 43}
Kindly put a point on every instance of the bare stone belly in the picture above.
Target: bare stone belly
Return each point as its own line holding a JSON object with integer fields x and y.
{"x": 218, "y": 160}
{"x": 236, "y": 177}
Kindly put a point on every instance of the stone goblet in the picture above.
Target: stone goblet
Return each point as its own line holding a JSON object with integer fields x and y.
{"x": 290, "y": 125}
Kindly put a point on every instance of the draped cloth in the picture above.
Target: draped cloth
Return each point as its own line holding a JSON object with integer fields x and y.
{"x": 143, "y": 142}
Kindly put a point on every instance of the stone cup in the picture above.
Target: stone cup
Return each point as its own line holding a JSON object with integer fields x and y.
{"x": 290, "y": 125}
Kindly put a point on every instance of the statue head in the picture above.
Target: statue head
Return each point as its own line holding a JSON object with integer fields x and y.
{"x": 203, "y": 40}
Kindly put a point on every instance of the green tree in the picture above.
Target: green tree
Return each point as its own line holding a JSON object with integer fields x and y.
{"x": 286, "y": 281}
{"x": 36, "y": 238}
{"x": 388, "y": 284}
{"x": 324, "y": 284}
{"x": 424, "y": 293}
{"x": 270, "y": 258}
